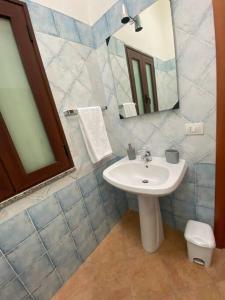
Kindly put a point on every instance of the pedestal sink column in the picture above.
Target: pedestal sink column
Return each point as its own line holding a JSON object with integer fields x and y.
{"x": 151, "y": 222}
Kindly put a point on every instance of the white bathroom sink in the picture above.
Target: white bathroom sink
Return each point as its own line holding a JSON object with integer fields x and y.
{"x": 154, "y": 178}
{"x": 149, "y": 181}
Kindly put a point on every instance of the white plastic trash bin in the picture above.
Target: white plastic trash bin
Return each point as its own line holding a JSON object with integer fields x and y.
{"x": 200, "y": 242}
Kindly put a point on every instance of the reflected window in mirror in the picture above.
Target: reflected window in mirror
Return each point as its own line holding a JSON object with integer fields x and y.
{"x": 142, "y": 80}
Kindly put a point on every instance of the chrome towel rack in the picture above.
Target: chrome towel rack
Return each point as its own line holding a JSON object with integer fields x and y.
{"x": 74, "y": 112}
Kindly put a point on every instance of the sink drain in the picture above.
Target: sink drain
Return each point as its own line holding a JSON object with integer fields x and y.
{"x": 145, "y": 181}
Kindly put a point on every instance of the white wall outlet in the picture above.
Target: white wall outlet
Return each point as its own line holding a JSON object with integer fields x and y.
{"x": 194, "y": 128}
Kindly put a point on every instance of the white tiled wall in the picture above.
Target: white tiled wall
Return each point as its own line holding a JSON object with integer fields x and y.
{"x": 196, "y": 62}
{"x": 82, "y": 76}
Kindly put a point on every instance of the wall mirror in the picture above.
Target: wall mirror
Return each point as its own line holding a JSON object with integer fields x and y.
{"x": 143, "y": 61}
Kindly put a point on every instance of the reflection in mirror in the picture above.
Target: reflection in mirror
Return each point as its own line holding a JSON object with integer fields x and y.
{"x": 144, "y": 63}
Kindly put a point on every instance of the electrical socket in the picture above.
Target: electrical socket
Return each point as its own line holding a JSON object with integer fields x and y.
{"x": 194, "y": 128}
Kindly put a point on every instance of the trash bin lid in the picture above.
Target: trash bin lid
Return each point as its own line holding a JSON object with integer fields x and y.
{"x": 200, "y": 234}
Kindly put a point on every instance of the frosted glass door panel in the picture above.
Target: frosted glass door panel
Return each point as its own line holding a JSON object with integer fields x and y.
{"x": 150, "y": 87}
{"x": 18, "y": 107}
{"x": 137, "y": 79}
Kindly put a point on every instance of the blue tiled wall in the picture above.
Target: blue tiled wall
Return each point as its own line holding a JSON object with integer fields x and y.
{"x": 51, "y": 22}
{"x": 48, "y": 21}
{"x": 165, "y": 65}
{"x": 41, "y": 247}
{"x": 110, "y": 21}
{"x": 194, "y": 199}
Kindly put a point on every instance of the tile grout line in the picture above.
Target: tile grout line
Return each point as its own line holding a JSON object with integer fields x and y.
{"x": 102, "y": 203}
{"x": 17, "y": 276}
{"x": 21, "y": 242}
{"x": 46, "y": 225}
{"x": 46, "y": 250}
{"x": 70, "y": 231}
{"x": 84, "y": 204}
{"x": 117, "y": 208}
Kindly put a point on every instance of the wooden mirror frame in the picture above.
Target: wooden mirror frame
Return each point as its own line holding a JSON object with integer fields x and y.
{"x": 219, "y": 17}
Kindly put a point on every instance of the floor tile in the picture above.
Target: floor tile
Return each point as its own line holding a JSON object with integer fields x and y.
{"x": 221, "y": 286}
{"x": 183, "y": 274}
{"x": 119, "y": 268}
{"x": 210, "y": 292}
{"x": 217, "y": 269}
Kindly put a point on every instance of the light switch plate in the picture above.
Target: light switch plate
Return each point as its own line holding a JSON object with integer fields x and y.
{"x": 194, "y": 128}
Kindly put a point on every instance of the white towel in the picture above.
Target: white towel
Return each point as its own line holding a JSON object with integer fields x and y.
{"x": 129, "y": 110}
{"x": 94, "y": 133}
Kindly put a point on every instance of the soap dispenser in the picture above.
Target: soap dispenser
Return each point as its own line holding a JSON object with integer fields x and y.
{"x": 131, "y": 152}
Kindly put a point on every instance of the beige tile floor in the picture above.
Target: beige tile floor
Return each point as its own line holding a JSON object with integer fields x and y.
{"x": 119, "y": 269}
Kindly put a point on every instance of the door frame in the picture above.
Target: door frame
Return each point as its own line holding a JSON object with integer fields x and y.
{"x": 143, "y": 59}
{"x": 219, "y": 19}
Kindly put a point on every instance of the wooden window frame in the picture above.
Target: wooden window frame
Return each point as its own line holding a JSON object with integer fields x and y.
{"x": 17, "y": 13}
{"x": 7, "y": 189}
{"x": 143, "y": 59}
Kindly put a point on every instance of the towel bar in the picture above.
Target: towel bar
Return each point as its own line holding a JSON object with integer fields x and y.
{"x": 74, "y": 112}
{"x": 121, "y": 105}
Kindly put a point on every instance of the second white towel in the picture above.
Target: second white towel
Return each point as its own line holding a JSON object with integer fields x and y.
{"x": 94, "y": 133}
{"x": 129, "y": 110}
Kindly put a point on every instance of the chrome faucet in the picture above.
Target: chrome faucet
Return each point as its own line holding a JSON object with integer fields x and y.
{"x": 146, "y": 155}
